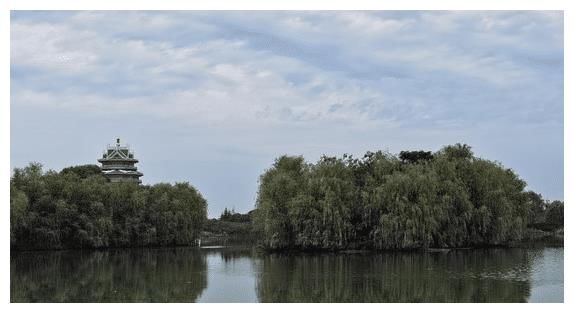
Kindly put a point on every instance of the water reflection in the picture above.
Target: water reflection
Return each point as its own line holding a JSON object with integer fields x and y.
{"x": 494, "y": 275}
{"x": 235, "y": 274}
{"x": 131, "y": 275}
{"x": 230, "y": 276}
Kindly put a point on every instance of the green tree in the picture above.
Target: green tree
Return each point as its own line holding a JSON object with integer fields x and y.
{"x": 79, "y": 208}
{"x": 281, "y": 188}
{"x": 18, "y": 213}
{"x": 555, "y": 213}
{"x": 82, "y": 170}
{"x": 447, "y": 199}
{"x": 535, "y": 204}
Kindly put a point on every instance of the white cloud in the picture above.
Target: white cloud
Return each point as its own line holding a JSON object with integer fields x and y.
{"x": 220, "y": 75}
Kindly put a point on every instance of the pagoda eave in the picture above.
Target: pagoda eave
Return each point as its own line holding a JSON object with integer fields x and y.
{"x": 117, "y": 160}
{"x": 137, "y": 174}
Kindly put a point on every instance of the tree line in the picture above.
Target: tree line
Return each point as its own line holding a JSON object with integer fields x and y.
{"x": 78, "y": 208}
{"x": 230, "y": 228}
{"x": 419, "y": 199}
{"x": 449, "y": 198}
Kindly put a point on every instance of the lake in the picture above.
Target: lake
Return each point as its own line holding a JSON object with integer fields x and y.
{"x": 241, "y": 274}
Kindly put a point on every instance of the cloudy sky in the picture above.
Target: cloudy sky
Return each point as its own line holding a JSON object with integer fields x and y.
{"x": 214, "y": 97}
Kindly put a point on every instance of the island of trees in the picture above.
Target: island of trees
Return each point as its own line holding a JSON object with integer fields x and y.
{"x": 447, "y": 199}
{"x": 79, "y": 208}
{"x": 418, "y": 199}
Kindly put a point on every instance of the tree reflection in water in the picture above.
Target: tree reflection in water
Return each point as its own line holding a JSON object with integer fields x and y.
{"x": 489, "y": 275}
{"x": 130, "y": 275}
{"x": 242, "y": 275}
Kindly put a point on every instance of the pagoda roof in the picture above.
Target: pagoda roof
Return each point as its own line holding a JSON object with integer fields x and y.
{"x": 117, "y": 153}
{"x": 117, "y": 160}
{"x": 123, "y": 173}
{"x": 108, "y": 160}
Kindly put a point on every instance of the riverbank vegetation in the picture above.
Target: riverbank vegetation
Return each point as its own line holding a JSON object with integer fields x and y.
{"x": 230, "y": 228}
{"x": 417, "y": 199}
{"x": 78, "y": 208}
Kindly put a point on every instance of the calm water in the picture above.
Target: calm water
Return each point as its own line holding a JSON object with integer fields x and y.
{"x": 235, "y": 274}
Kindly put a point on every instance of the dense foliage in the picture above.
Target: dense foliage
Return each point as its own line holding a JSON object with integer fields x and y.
{"x": 83, "y": 171}
{"x": 232, "y": 216}
{"x": 415, "y": 156}
{"x": 221, "y": 232}
{"x": 78, "y": 208}
{"x": 555, "y": 214}
{"x": 447, "y": 199}
{"x": 231, "y": 227}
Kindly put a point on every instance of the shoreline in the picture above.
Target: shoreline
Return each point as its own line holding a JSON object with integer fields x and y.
{"x": 552, "y": 240}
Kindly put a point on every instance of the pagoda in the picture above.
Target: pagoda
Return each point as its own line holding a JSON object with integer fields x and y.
{"x": 118, "y": 164}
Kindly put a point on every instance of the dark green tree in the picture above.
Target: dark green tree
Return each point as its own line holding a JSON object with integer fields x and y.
{"x": 415, "y": 156}
{"x": 79, "y": 208}
{"x": 82, "y": 170}
{"x": 535, "y": 204}
{"x": 555, "y": 213}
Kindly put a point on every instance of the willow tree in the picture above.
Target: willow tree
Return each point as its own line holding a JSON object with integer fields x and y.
{"x": 448, "y": 199}
{"x": 79, "y": 208}
{"x": 321, "y": 215}
{"x": 280, "y": 191}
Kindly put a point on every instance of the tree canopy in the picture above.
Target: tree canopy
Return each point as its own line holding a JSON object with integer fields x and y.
{"x": 79, "y": 208}
{"x": 416, "y": 200}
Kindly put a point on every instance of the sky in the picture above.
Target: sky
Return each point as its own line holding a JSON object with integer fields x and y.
{"x": 213, "y": 97}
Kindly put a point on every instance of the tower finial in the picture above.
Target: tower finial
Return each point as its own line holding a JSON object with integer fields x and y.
{"x": 118, "y": 141}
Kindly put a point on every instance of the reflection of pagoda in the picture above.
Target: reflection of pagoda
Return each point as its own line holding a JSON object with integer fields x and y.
{"x": 118, "y": 164}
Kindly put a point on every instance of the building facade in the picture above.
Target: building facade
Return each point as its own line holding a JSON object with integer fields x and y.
{"x": 118, "y": 164}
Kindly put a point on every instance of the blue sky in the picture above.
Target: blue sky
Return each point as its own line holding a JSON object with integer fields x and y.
{"x": 213, "y": 97}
